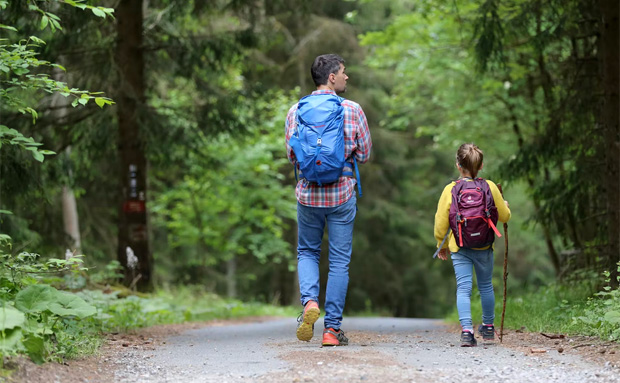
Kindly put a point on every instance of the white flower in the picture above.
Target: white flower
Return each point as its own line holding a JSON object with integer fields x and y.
{"x": 68, "y": 255}
{"x": 132, "y": 260}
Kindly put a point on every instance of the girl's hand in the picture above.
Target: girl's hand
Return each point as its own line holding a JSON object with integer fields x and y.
{"x": 443, "y": 254}
{"x": 507, "y": 205}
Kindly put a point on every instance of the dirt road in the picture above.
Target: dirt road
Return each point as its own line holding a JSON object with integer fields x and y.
{"x": 380, "y": 350}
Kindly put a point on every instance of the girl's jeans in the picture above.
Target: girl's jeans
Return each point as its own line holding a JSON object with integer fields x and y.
{"x": 464, "y": 261}
{"x": 311, "y": 224}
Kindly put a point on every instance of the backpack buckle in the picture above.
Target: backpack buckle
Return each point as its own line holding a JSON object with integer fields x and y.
{"x": 318, "y": 142}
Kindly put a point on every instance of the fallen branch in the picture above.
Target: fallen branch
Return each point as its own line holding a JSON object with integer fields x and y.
{"x": 553, "y": 336}
{"x": 583, "y": 345}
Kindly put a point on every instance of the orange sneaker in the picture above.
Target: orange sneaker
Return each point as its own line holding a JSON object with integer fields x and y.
{"x": 332, "y": 337}
{"x": 305, "y": 326}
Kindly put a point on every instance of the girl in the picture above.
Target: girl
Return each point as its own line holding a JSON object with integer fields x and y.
{"x": 469, "y": 162}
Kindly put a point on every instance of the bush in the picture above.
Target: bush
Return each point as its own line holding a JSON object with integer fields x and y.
{"x": 601, "y": 316}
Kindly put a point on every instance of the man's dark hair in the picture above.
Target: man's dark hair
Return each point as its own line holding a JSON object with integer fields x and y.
{"x": 323, "y": 66}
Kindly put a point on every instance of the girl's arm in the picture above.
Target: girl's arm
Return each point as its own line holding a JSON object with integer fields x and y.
{"x": 442, "y": 219}
{"x": 503, "y": 211}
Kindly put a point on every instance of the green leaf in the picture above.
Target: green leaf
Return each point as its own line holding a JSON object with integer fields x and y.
{"x": 10, "y": 318}
{"x": 82, "y": 101}
{"x": 54, "y": 24}
{"x": 44, "y": 21}
{"x": 5, "y": 212}
{"x": 74, "y": 102}
{"x": 10, "y": 339}
{"x": 8, "y": 27}
{"x": 37, "y": 328}
{"x": 20, "y": 138}
{"x": 37, "y": 40}
{"x": 100, "y": 101}
{"x": 38, "y": 156}
{"x": 35, "y": 347}
{"x": 99, "y": 12}
{"x": 20, "y": 71}
{"x": 66, "y": 304}
{"x": 35, "y": 299}
{"x": 613, "y": 317}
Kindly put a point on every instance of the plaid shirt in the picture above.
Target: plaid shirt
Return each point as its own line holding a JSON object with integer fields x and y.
{"x": 356, "y": 140}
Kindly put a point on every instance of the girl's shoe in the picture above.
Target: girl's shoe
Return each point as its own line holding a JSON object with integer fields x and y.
{"x": 305, "y": 325}
{"x": 487, "y": 331}
{"x": 468, "y": 339}
{"x": 332, "y": 337}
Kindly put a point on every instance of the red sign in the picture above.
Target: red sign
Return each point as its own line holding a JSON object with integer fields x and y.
{"x": 134, "y": 207}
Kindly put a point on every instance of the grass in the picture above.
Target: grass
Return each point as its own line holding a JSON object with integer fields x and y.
{"x": 176, "y": 305}
{"x": 550, "y": 309}
{"x": 196, "y": 305}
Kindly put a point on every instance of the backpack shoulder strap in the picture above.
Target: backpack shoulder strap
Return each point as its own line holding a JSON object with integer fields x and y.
{"x": 484, "y": 186}
{"x": 353, "y": 161}
{"x": 458, "y": 185}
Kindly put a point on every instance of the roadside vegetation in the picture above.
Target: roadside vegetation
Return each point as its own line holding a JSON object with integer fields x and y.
{"x": 57, "y": 309}
{"x": 585, "y": 304}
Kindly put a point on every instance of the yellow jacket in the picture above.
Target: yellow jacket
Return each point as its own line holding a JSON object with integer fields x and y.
{"x": 442, "y": 221}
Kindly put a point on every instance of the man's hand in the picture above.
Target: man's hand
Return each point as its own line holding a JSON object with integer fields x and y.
{"x": 443, "y": 254}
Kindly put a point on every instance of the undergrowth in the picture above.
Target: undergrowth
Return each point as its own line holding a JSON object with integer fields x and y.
{"x": 56, "y": 309}
{"x": 572, "y": 307}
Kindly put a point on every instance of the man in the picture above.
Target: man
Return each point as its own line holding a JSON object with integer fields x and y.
{"x": 332, "y": 204}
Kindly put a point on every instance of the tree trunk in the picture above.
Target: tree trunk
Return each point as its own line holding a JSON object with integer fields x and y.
{"x": 231, "y": 277}
{"x": 609, "y": 59}
{"x": 69, "y": 206}
{"x": 71, "y": 221}
{"x": 133, "y": 228}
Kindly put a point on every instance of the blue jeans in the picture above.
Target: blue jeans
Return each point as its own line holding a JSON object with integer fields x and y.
{"x": 311, "y": 224}
{"x": 464, "y": 261}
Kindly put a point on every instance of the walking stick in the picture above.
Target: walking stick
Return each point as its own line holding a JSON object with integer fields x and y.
{"x": 501, "y": 328}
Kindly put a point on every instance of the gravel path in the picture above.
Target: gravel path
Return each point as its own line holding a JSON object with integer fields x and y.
{"x": 380, "y": 350}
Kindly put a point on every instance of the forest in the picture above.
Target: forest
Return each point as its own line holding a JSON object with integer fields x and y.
{"x": 142, "y": 144}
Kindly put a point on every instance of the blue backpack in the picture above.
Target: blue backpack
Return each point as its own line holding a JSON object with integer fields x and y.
{"x": 318, "y": 141}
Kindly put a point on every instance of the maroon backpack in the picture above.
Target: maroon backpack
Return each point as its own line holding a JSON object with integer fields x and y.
{"x": 473, "y": 214}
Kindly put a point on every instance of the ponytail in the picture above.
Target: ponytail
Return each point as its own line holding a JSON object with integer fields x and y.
{"x": 469, "y": 157}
